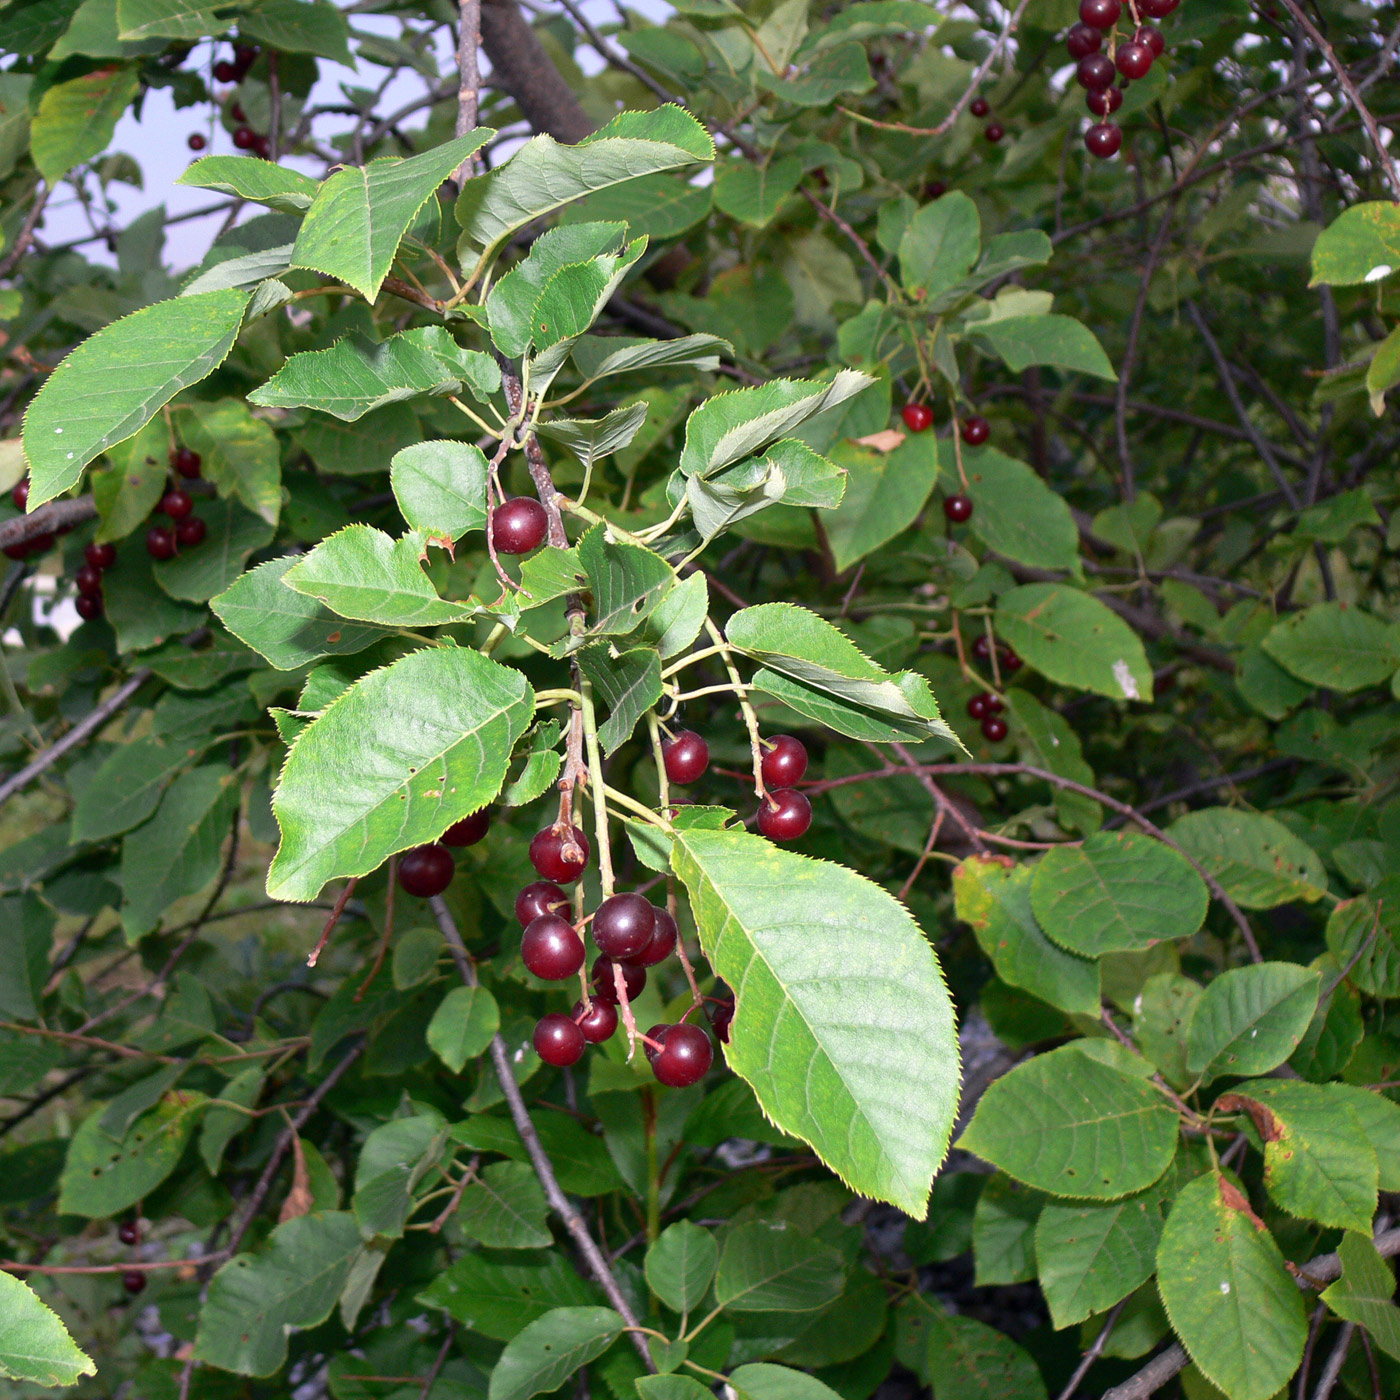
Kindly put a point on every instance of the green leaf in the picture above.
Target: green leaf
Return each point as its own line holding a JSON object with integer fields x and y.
{"x": 499, "y": 1297}
{"x": 597, "y": 357}
{"x": 1058, "y": 341}
{"x": 395, "y": 1159}
{"x": 1017, "y": 514}
{"x": 969, "y": 1360}
{"x": 940, "y": 245}
{"x": 1250, "y": 1019}
{"x": 680, "y": 1265}
{"x": 1048, "y": 741}
{"x": 356, "y": 375}
{"x": 627, "y": 581}
{"x": 290, "y": 630}
{"x": 1363, "y": 934}
{"x": 360, "y": 215}
{"x": 1383, "y": 373}
{"x": 803, "y": 1034}
{"x": 393, "y": 762}
{"x": 843, "y": 69}
{"x": 463, "y": 1026}
{"x": 1229, "y": 1297}
{"x": 361, "y": 573}
{"x": 34, "y": 1343}
{"x": 75, "y": 120}
{"x": 670, "y": 1386}
{"x": 824, "y": 709}
{"x": 809, "y": 650}
{"x": 1361, "y": 245}
{"x": 168, "y": 19}
{"x": 1003, "y": 1232}
{"x": 591, "y": 438}
{"x": 177, "y": 852}
{"x": 240, "y": 453}
{"x": 1093, "y": 1256}
{"x": 1365, "y": 1292}
{"x": 1073, "y": 639}
{"x": 768, "y": 1267}
{"x": 256, "y": 1300}
{"x": 118, "y": 379}
{"x": 1337, "y": 646}
{"x": 1072, "y": 1126}
{"x": 767, "y": 1382}
{"x": 573, "y": 299}
{"x": 629, "y": 683}
{"x": 543, "y": 176}
{"x": 30, "y": 29}
{"x": 127, "y": 489}
{"x": 126, "y": 789}
{"x": 753, "y": 193}
{"x": 234, "y": 534}
{"x": 1119, "y": 892}
{"x": 1318, "y": 1163}
{"x": 440, "y": 488}
{"x": 103, "y": 1175}
{"x": 1258, "y": 861}
{"x": 995, "y": 900}
{"x": 221, "y": 1125}
{"x": 548, "y": 1351}
{"x": 278, "y": 186}
{"x": 296, "y": 26}
{"x": 885, "y": 493}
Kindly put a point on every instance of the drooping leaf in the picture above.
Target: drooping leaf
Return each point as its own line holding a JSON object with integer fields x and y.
{"x": 1060, "y": 342}
{"x": 940, "y": 245}
{"x": 463, "y": 1026}
{"x": 126, "y": 789}
{"x": 1337, "y": 646}
{"x": 765, "y": 1267}
{"x": 1258, "y": 861}
{"x": 544, "y": 1354}
{"x": 76, "y": 119}
{"x": 262, "y": 181}
{"x": 967, "y": 1358}
{"x": 240, "y": 454}
{"x": 802, "y": 1032}
{"x": 600, "y": 356}
{"x": 168, "y": 19}
{"x": 34, "y": 1344}
{"x": 629, "y": 684}
{"x": 394, "y": 761}
{"x": 752, "y": 192}
{"x": 499, "y": 1297}
{"x": 1365, "y": 1292}
{"x": 1250, "y": 1019}
{"x": 627, "y": 581}
{"x": 591, "y": 438}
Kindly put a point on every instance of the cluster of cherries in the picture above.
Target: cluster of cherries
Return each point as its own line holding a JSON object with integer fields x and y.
{"x": 129, "y": 1233}
{"x": 99, "y": 557}
{"x": 234, "y": 71}
{"x": 974, "y": 430}
{"x": 186, "y": 529}
{"x": 994, "y": 130}
{"x": 784, "y": 814}
{"x": 1132, "y": 57}
{"x": 987, "y": 707}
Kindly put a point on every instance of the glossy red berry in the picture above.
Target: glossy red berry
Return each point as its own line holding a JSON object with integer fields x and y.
{"x": 558, "y": 1041}
{"x": 785, "y": 815}
{"x": 262, "y": 147}
{"x": 784, "y": 761}
{"x": 634, "y": 979}
{"x": 540, "y": 898}
{"x": 1010, "y": 661}
{"x": 88, "y": 579}
{"x": 176, "y": 504}
{"x": 426, "y": 870}
{"x": 1083, "y": 39}
{"x": 469, "y": 830}
{"x": 662, "y": 942}
{"x": 623, "y": 926}
{"x": 191, "y": 531}
{"x": 994, "y": 728}
{"x": 225, "y": 72}
{"x": 129, "y": 1233}
{"x": 977, "y": 707}
{"x": 245, "y": 138}
{"x": 721, "y": 1014}
{"x": 958, "y": 508}
{"x": 597, "y": 1021}
{"x": 551, "y": 948}
{"x": 134, "y": 1282}
{"x": 982, "y": 647}
{"x": 1104, "y": 102}
{"x": 685, "y": 1055}
{"x": 100, "y": 556}
{"x": 995, "y": 704}
{"x": 1103, "y": 140}
{"x": 1102, "y": 14}
{"x": 1095, "y": 70}
{"x": 974, "y": 430}
{"x": 19, "y": 493}
{"x": 195, "y": 141}
{"x": 993, "y": 132}
{"x": 1134, "y": 59}
{"x": 519, "y": 526}
{"x": 979, "y": 107}
{"x": 1150, "y": 35}
{"x": 160, "y": 542}
{"x": 186, "y": 461}
{"x": 548, "y": 856}
{"x": 918, "y": 417}
{"x": 89, "y": 606}
{"x": 686, "y": 756}
{"x": 1157, "y": 9}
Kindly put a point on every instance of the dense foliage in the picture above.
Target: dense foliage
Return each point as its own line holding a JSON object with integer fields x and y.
{"x": 632, "y": 684}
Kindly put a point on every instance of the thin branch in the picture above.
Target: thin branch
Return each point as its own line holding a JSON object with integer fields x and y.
{"x": 46, "y": 520}
{"x": 616, "y": 58}
{"x": 468, "y": 78}
{"x": 1095, "y": 1351}
{"x": 26, "y": 234}
{"x": 1328, "y": 1380}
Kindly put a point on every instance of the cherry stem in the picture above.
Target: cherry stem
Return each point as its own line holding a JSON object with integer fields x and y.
{"x": 624, "y": 1009}
{"x": 750, "y": 715}
{"x": 957, "y": 441}
{"x": 388, "y": 935}
{"x": 587, "y": 998}
{"x": 599, "y": 787}
{"x": 339, "y": 908}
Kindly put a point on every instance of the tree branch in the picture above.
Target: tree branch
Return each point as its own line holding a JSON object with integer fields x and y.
{"x": 45, "y": 520}
{"x": 468, "y": 77}
{"x": 521, "y": 67}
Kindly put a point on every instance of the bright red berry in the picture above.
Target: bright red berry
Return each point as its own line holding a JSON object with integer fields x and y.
{"x": 89, "y": 606}
{"x": 186, "y": 461}
{"x": 994, "y": 131}
{"x": 1102, "y": 14}
{"x": 558, "y": 1041}
{"x": 784, "y": 815}
{"x": 1103, "y": 140}
{"x": 88, "y": 579}
{"x": 1134, "y": 59}
{"x": 19, "y": 493}
{"x": 195, "y": 141}
{"x": 519, "y": 526}
{"x": 597, "y": 1021}
{"x": 1103, "y": 102}
{"x": 160, "y": 542}
{"x": 129, "y": 1233}
{"x": 685, "y": 1055}
{"x": 100, "y": 556}
{"x": 979, "y": 107}
{"x": 1083, "y": 40}
{"x": 134, "y": 1282}
{"x": 539, "y": 898}
{"x": 176, "y": 504}
{"x": 663, "y": 940}
{"x": 426, "y": 870}
{"x": 1095, "y": 70}
{"x": 551, "y": 948}
{"x": 469, "y": 830}
{"x": 784, "y": 761}
{"x": 974, "y": 430}
{"x": 549, "y": 856}
{"x": 958, "y": 508}
{"x": 245, "y": 138}
{"x": 623, "y": 926}
{"x": 994, "y": 728}
{"x": 191, "y": 531}
{"x": 918, "y": 417}
{"x": 634, "y": 979}
{"x": 686, "y": 756}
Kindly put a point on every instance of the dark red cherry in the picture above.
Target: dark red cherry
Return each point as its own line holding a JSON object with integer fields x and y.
{"x": 663, "y": 940}
{"x": 262, "y": 147}
{"x": 982, "y": 647}
{"x": 784, "y": 761}
{"x": 1102, "y": 14}
{"x": 994, "y": 728}
{"x": 549, "y": 857}
{"x": 993, "y": 703}
{"x": 186, "y": 461}
{"x": 100, "y": 556}
{"x": 245, "y": 55}
{"x": 935, "y": 189}
{"x": 686, "y": 756}
{"x": 974, "y": 430}
{"x": 191, "y": 531}
{"x": 160, "y": 542}
{"x": 654, "y": 1042}
{"x": 685, "y": 1055}
{"x": 1157, "y": 9}
{"x": 1103, "y": 102}
{"x": 1150, "y": 35}
{"x": 993, "y": 132}
{"x": 597, "y": 1021}
{"x": 1134, "y": 59}
{"x": 1010, "y": 661}
{"x": 469, "y": 830}
{"x": 89, "y": 606}
{"x": 176, "y": 504}
{"x": 634, "y": 978}
{"x": 918, "y": 417}
{"x": 623, "y": 926}
{"x": 245, "y": 138}
{"x": 721, "y": 1014}
{"x": 1095, "y": 70}
{"x": 977, "y": 706}
{"x": 134, "y": 1282}
{"x": 1103, "y": 140}
{"x": 558, "y": 1041}
{"x": 426, "y": 870}
{"x": 551, "y": 948}
{"x": 958, "y": 508}
{"x": 519, "y": 526}
{"x": 540, "y": 898}
{"x": 979, "y": 107}
{"x": 88, "y": 579}
{"x": 195, "y": 141}
{"x": 19, "y": 493}
{"x": 236, "y": 113}
{"x": 225, "y": 72}
{"x": 784, "y": 815}
{"x": 1083, "y": 40}
{"x": 129, "y": 1233}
